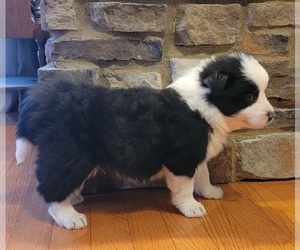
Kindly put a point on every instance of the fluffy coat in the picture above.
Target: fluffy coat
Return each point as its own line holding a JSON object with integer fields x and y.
{"x": 140, "y": 133}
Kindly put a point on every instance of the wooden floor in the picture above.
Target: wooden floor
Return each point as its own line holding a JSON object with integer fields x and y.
{"x": 252, "y": 215}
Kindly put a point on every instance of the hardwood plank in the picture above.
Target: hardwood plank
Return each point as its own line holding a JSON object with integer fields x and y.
{"x": 109, "y": 222}
{"x": 186, "y": 233}
{"x": 146, "y": 225}
{"x": 297, "y": 213}
{"x": 10, "y": 136}
{"x": 284, "y": 190}
{"x": 220, "y": 224}
{"x": 31, "y": 226}
{"x": 259, "y": 227}
{"x": 281, "y": 212}
{"x": 62, "y": 238}
{"x": 26, "y": 214}
{"x": 2, "y": 182}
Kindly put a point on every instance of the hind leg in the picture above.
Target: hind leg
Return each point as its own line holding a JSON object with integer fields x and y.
{"x": 65, "y": 215}
{"x": 61, "y": 177}
{"x": 61, "y": 199}
{"x": 63, "y": 212}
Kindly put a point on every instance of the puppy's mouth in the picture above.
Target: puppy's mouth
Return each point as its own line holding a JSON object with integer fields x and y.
{"x": 270, "y": 121}
{"x": 256, "y": 124}
{"x": 270, "y": 117}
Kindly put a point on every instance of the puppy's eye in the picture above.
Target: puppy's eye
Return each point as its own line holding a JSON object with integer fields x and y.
{"x": 250, "y": 98}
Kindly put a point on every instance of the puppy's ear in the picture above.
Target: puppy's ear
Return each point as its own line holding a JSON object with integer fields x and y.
{"x": 216, "y": 82}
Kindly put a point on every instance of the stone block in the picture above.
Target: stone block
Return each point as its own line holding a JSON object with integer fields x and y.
{"x": 282, "y": 88}
{"x": 279, "y": 67}
{"x": 208, "y": 24}
{"x": 130, "y": 80}
{"x": 271, "y": 14}
{"x": 109, "y": 49}
{"x": 270, "y": 156}
{"x": 74, "y": 72}
{"x": 179, "y": 67}
{"x": 220, "y": 167}
{"x": 128, "y": 17}
{"x": 284, "y": 118}
{"x": 282, "y": 80}
{"x": 265, "y": 43}
{"x": 58, "y": 15}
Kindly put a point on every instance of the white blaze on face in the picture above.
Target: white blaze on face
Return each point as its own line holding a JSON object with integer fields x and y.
{"x": 256, "y": 115}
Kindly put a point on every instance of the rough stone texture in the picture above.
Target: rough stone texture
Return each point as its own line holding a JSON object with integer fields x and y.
{"x": 179, "y": 67}
{"x": 269, "y": 156}
{"x": 129, "y": 80}
{"x": 284, "y": 118}
{"x": 129, "y": 17}
{"x": 282, "y": 87}
{"x": 208, "y": 24}
{"x": 112, "y": 49}
{"x": 266, "y": 43}
{"x": 279, "y": 67}
{"x": 282, "y": 80}
{"x": 74, "y": 72}
{"x": 220, "y": 167}
{"x": 58, "y": 15}
{"x": 271, "y": 14}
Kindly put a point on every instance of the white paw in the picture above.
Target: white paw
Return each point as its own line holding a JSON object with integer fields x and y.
{"x": 212, "y": 192}
{"x": 74, "y": 221}
{"x": 193, "y": 209}
{"x": 67, "y": 216}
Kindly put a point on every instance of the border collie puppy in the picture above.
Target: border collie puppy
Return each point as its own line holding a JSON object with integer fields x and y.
{"x": 140, "y": 133}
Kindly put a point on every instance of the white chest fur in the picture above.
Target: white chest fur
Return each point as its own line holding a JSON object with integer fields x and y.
{"x": 216, "y": 143}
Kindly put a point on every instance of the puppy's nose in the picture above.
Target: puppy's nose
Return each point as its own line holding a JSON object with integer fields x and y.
{"x": 270, "y": 115}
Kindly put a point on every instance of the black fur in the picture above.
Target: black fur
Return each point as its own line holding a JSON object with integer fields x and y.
{"x": 131, "y": 133}
{"x": 237, "y": 93}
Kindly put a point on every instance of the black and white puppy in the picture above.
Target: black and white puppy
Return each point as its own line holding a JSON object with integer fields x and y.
{"x": 140, "y": 133}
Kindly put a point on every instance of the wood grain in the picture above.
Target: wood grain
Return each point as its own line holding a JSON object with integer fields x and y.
{"x": 72, "y": 239}
{"x": 252, "y": 215}
{"x": 186, "y": 233}
{"x": 259, "y": 226}
{"x": 109, "y": 223}
{"x": 146, "y": 225}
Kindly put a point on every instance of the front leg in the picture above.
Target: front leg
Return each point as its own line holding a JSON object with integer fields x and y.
{"x": 203, "y": 186}
{"x": 182, "y": 188}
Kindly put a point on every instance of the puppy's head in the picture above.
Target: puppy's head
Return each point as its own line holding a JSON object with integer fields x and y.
{"x": 236, "y": 85}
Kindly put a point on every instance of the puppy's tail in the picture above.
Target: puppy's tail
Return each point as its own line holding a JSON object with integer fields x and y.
{"x": 23, "y": 149}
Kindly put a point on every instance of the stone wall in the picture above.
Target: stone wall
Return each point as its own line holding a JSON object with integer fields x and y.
{"x": 151, "y": 43}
